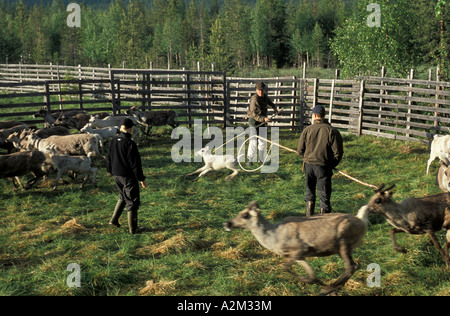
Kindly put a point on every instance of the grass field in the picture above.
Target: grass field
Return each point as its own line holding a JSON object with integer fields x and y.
{"x": 182, "y": 248}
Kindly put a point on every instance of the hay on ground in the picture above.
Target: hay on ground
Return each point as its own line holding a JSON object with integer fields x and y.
{"x": 159, "y": 288}
{"x": 74, "y": 226}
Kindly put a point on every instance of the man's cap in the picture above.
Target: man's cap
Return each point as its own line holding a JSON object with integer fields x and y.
{"x": 128, "y": 123}
{"x": 319, "y": 110}
{"x": 260, "y": 86}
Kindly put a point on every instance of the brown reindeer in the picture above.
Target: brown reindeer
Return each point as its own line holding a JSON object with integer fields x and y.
{"x": 413, "y": 215}
{"x": 446, "y": 227}
{"x": 153, "y": 118}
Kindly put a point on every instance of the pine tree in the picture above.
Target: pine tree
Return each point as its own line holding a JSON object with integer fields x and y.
{"x": 219, "y": 53}
{"x": 132, "y": 34}
{"x": 38, "y": 37}
{"x": 260, "y": 33}
{"x": 443, "y": 58}
{"x": 10, "y": 46}
{"x": 20, "y": 20}
{"x": 196, "y": 26}
{"x": 317, "y": 38}
{"x": 238, "y": 29}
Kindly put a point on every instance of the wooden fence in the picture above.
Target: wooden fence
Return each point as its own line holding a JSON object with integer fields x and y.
{"x": 405, "y": 109}
{"x": 284, "y": 92}
{"x": 31, "y": 72}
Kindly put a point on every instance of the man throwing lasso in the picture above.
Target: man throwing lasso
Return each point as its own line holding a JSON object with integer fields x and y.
{"x": 257, "y": 118}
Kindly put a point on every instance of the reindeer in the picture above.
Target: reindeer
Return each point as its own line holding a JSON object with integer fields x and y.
{"x": 443, "y": 177}
{"x": 298, "y": 238}
{"x": 446, "y": 227}
{"x": 415, "y": 216}
{"x": 155, "y": 118}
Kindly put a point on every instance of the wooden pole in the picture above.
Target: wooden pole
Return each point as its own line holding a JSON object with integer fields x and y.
{"x": 361, "y": 104}
{"x": 333, "y": 82}
{"x": 410, "y": 95}
{"x": 436, "y": 105}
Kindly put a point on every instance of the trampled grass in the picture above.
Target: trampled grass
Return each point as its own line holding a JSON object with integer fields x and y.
{"x": 182, "y": 248}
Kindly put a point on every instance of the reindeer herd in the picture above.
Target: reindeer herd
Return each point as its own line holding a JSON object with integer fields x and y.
{"x": 295, "y": 238}
{"x": 57, "y": 147}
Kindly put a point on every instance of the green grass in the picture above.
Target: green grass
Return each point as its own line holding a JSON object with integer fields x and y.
{"x": 183, "y": 248}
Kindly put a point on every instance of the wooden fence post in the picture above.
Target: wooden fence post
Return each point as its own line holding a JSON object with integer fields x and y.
{"x": 80, "y": 91}
{"x": 144, "y": 94}
{"x": 436, "y": 105}
{"x": 302, "y": 102}
{"x": 361, "y": 108}
{"x": 316, "y": 88}
{"x": 47, "y": 96}
{"x": 226, "y": 99}
{"x": 59, "y": 89}
{"x": 21, "y": 79}
{"x": 188, "y": 88}
{"x": 47, "y": 99}
{"x": 113, "y": 92}
{"x": 333, "y": 83}
{"x": 410, "y": 95}
{"x": 383, "y": 74}
{"x": 293, "y": 94}
{"x": 149, "y": 94}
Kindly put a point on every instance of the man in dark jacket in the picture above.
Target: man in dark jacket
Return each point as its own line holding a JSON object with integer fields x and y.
{"x": 321, "y": 147}
{"x": 124, "y": 163}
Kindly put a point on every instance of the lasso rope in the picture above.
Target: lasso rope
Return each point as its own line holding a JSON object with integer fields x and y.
{"x": 285, "y": 148}
{"x": 294, "y": 151}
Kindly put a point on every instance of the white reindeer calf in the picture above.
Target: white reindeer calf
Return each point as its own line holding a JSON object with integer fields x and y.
{"x": 216, "y": 162}
{"x": 71, "y": 163}
{"x": 440, "y": 148}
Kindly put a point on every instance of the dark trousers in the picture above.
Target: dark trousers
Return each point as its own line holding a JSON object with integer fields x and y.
{"x": 320, "y": 177}
{"x": 128, "y": 188}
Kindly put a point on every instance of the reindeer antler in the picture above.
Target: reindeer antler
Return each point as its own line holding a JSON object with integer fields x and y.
{"x": 390, "y": 188}
{"x": 382, "y": 190}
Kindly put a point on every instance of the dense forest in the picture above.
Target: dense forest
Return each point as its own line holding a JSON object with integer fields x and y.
{"x": 233, "y": 34}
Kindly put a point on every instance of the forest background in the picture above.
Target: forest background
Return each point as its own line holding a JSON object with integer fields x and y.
{"x": 235, "y": 35}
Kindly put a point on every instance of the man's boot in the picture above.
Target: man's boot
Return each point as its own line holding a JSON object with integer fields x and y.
{"x": 325, "y": 211}
{"x": 132, "y": 221}
{"x": 310, "y": 208}
{"x": 120, "y": 206}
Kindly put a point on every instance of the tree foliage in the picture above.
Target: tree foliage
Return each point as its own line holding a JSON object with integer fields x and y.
{"x": 232, "y": 34}
{"x": 408, "y": 34}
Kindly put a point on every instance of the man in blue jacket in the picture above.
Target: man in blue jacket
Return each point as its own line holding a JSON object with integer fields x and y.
{"x": 124, "y": 163}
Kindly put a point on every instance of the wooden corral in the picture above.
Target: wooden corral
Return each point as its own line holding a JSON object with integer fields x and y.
{"x": 405, "y": 109}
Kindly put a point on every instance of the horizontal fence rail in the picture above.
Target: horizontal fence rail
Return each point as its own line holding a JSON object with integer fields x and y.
{"x": 405, "y": 109}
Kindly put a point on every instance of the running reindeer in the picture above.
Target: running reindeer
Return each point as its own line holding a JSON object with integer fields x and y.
{"x": 415, "y": 216}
